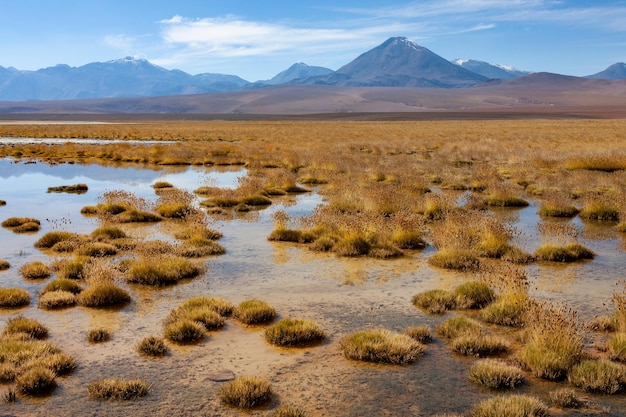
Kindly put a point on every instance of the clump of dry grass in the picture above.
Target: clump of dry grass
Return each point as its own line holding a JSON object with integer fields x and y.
{"x": 184, "y": 331}
{"x": 459, "y": 259}
{"x": 98, "y": 335}
{"x": 601, "y": 208}
{"x": 103, "y": 294}
{"x": 118, "y": 389}
{"x": 421, "y": 334}
{"x": 71, "y": 268}
{"x": 62, "y": 284}
{"x": 565, "y": 398}
{"x": 36, "y": 381}
{"x": 23, "y": 325}
{"x": 254, "y": 312}
{"x": 617, "y": 347}
{"x": 14, "y": 297}
{"x": 435, "y": 301}
{"x": 97, "y": 249}
{"x": 495, "y": 374}
{"x": 159, "y": 271}
{"x": 289, "y": 411}
{"x": 294, "y": 332}
{"x": 35, "y": 270}
{"x": 57, "y": 299}
{"x": 604, "y": 163}
{"x": 554, "y": 341}
{"x": 22, "y": 224}
{"x": 202, "y": 314}
{"x": 474, "y": 295}
{"x": 50, "y": 239}
{"x": 72, "y": 189}
{"x": 220, "y": 305}
{"x": 510, "y": 406}
{"x": 558, "y": 205}
{"x": 153, "y": 347}
{"x": 561, "y": 243}
{"x": 246, "y": 392}
{"x": 4, "y": 265}
{"x": 108, "y": 233}
{"x": 601, "y": 376}
{"x": 479, "y": 345}
{"x": 159, "y": 185}
{"x": 382, "y": 346}
{"x": 458, "y": 326}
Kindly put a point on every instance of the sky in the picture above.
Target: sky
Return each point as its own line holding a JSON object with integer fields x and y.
{"x": 258, "y": 39}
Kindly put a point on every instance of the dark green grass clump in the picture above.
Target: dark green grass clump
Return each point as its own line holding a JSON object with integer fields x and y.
{"x": 246, "y": 392}
{"x": 118, "y": 389}
{"x": 14, "y": 297}
{"x": 294, "y": 332}
{"x": 381, "y": 346}
{"x": 254, "y": 312}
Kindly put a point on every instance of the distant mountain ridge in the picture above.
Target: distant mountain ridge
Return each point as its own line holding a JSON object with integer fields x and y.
{"x": 397, "y": 62}
{"x": 616, "y": 71}
{"x": 127, "y": 77}
{"x": 493, "y": 71}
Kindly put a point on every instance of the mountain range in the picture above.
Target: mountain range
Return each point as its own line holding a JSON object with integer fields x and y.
{"x": 397, "y": 62}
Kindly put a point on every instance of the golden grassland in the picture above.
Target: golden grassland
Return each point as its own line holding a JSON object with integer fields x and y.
{"x": 389, "y": 188}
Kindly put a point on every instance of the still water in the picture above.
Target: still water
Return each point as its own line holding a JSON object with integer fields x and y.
{"x": 342, "y": 295}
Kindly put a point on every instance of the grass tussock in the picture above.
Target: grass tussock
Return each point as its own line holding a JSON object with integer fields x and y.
{"x": 599, "y": 376}
{"x": 21, "y": 325}
{"x": 97, "y": 249}
{"x": 36, "y": 381}
{"x": 102, "y": 295}
{"x": 161, "y": 271}
{"x": 4, "y": 265}
{"x": 184, "y": 331}
{"x": 458, "y": 326}
{"x": 558, "y": 205}
{"x": 106, "y": 233}
{"x": 510, "y": 406}
{"x": 565, "y": 398}
{"x": 14, "y": 297}
{"x": 50, "y": 239}
{"x": 435, "y": 301}
{"x": 569, "y": 253}
{"x": 202, "y": 314}
{"x": 254, "y": 312}
{"x": 294, "y": 332}
{"x": 604, "y": 163}
{"x": 72, "y": 189}
{"x": 57, "y": 299}
{"x": 554, "y": 341}
{"x": 62, "y": 284}
{"x": 153, "y": 347}
{"x": 118, "y": 389}
{"x": 508, "y": 310}
{"x": 289, "y": 411}
{"x": 220, "y": 305}
{"x": 421, "y": 334}
{"x": 246, "y": 392}
{"x": 22, "y": 224}
{"x": 457, "y": 259}
{"x": 479, "y": 345}
{"x": 616, "y": 347}
{"x": 474, "y": 295}
{"x": 35, "y": 270}
{"x": 71, "y": 268}
{"x": 495, "y": 374}
{"x": 381, "y": 346}
{"x": 98, "y": 335}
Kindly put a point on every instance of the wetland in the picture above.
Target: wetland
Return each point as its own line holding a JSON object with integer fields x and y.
{"x": 338, "y": 223}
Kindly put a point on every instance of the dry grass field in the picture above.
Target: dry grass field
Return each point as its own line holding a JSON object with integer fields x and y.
{"x": 390, "y": 189}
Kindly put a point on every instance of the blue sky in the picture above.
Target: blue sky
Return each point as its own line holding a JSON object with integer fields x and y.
{"x": 256, "y": 40}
